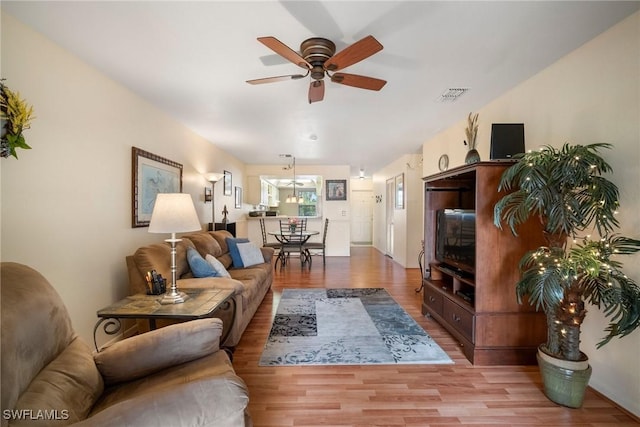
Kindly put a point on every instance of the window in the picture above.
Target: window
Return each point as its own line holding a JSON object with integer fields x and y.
{"x": 308, "y": 187}
{"x": 310, "y": 200}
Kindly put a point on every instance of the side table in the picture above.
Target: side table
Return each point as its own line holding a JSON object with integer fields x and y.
{"x": 229, "y": 226}
{"x": 200, "y": 304}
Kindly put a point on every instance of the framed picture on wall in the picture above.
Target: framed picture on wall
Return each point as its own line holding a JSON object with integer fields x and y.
{"x": 400, "y": 191}
{"x": 238, "y": 198}
{"x": 151, "y": 175}
{"x": 227, "y": 183}
{"x": 336, "y": 189}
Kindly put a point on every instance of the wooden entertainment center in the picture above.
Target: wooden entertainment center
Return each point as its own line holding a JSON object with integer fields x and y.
{"x": 481, "y": 310}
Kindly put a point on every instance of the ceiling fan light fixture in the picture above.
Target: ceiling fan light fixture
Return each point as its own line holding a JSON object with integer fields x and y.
{"x": 318, "y": 55}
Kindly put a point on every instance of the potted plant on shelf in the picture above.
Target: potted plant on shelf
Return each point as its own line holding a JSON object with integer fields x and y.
{"x": 16, "y": 116}
{"x": 566, "y": 190}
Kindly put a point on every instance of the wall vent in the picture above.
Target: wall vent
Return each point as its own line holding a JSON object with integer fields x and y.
{"x": 452, "y": 94}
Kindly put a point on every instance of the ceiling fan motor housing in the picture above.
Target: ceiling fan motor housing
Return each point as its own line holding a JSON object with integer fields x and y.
{"x": 316, "y": 51}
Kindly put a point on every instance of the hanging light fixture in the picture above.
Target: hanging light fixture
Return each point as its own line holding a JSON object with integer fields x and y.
{"x": 293, "y": 198}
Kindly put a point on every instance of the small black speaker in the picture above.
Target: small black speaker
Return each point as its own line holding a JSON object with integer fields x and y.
{"x": 507, "y": 139}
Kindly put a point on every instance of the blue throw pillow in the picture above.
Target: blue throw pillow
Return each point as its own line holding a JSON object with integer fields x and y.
{"x": 232, "y": 243}
{"x": 199, "y": 266}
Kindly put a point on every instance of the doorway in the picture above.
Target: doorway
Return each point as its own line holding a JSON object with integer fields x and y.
{"x": 361, "y": 217}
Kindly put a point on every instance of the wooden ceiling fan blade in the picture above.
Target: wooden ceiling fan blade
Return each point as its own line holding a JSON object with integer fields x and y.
{"x": 285, "y": 51}
{"x": 316, "y": 91}
{"x": 362, "y": 82}
{"x": 356, "y": 52}
{"x": 276, "y": 79}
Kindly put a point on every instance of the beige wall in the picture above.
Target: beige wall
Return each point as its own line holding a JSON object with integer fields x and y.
{"x": 66, "y": 204}
{"x": 591, "y": 95}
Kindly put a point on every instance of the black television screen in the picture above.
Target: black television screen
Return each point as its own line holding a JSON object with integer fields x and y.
{"x": 456, "y": 239}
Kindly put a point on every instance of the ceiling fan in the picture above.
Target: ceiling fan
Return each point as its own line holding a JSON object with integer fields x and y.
{"x": 319, "y": 58}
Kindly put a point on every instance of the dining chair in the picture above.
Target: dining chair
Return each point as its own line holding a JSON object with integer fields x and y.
{"x": 292, "y": 242}
{"x": 319, "y": 246}
{"x": 275, "y": 245}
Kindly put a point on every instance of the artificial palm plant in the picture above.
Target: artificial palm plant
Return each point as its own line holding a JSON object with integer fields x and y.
{"x": 566, "y": 190}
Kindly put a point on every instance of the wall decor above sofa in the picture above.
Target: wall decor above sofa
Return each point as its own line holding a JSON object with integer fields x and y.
{"x": 151, "y": 174}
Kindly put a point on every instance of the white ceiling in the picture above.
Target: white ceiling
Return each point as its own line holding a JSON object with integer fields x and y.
{"x": 191, "y": 59}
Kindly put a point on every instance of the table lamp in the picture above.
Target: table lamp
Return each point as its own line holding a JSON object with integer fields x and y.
{"x": 173, "y": 213}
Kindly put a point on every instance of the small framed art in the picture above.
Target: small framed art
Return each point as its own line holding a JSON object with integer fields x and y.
{"x": 400, "y": 191}
{"x": 238, "y": 198}
{"x": 228, "y": 185}
{"x": 336, "y": 189}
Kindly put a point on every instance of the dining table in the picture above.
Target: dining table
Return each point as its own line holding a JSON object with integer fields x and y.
{"x": 285, "y": 239}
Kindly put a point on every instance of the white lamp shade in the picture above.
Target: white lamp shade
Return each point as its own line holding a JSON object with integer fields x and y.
{"x": 174, "y": 213}
{"x": 213, "y": 176}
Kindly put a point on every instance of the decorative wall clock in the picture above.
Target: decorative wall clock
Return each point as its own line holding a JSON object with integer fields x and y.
{"x": 443, "y": 162}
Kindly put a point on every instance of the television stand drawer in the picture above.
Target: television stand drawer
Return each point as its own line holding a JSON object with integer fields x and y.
{"x": 433, "y": 299}
{"x": 458, "y": 317}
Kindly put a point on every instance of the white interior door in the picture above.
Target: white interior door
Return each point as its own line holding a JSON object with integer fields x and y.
{"x": 361, "y": 217}
{"x": 389, "y": 205}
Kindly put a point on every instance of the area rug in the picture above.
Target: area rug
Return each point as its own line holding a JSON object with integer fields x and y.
{"x": 346, "y": 327}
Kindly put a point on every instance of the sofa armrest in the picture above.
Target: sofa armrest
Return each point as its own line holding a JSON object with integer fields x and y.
{"x": 214, "y": 401}
{"x": 144, "y": 354}
{"x": 267, "y": 253}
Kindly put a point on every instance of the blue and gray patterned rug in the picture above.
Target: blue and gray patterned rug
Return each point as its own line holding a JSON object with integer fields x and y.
{"x": 346, "y": 327}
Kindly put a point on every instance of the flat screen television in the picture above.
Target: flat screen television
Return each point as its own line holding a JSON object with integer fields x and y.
{"x": 456, "y": 239}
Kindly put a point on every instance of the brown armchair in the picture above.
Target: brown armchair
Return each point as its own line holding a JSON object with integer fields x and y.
{"x": 175, "y": 376}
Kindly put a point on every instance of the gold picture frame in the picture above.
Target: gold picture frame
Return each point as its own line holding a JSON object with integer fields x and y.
{"x": 151, "y": 174}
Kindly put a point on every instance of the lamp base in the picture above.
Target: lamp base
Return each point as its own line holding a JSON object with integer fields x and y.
{"x": 174, "y": 297}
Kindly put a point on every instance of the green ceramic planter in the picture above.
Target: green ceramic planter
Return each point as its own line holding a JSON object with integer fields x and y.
{"x": 472, "y": 156}
{"x": 563, "y": 384}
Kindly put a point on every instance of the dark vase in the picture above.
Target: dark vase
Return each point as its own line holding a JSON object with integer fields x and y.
{"x": 472, "y": 156}
{"x": 4, "y": 149}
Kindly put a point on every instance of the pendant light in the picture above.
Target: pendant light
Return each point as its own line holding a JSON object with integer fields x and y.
{"x": 294, "y": 198}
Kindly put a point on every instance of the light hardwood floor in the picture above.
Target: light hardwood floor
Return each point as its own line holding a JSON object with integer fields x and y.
{"x": 405, "y": 395}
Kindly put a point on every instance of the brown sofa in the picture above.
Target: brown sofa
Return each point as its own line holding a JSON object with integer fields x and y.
{"x": 250, "y": 284}
{"x": 174, "y": 376}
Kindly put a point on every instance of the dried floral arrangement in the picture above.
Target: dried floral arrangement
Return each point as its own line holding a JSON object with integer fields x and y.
{"x": 16, "y": 116}
{"x": 471, "y": 131}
